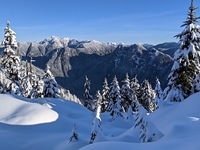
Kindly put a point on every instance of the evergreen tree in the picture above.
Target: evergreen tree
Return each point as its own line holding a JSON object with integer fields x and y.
{"x": 9, "y": 37}
{"x": 115, "y": 99}
{"x": 38, "y": 87}
{"x": 31, "y": 84}
{"x": 25, "y": 81}
{"x": 146, "y": 96}
{"x": 126, "y": 93}
{"x": 96, "y": 133}
{"x": 105, "y": 96}
{"x": 135, "y": 92}
{"x": 185, "y": 71}
{"x": 74, "y": 135}
{"x": 2, "y": 82}
{"x": 36, "y": 82}
{"x": 10, "y": 62}
{"x": 148, "y": 131}
{"x": 88, "y": 100}
{"x": 159, "y": 94}
{"x": 129, "y": 115}
{"x": 98, "y": 100}
{"x": 51, "y": 88}
{"x": 117, "y": 109}
{"x": 26, "y": 87}
{"x": 135, "y": 86}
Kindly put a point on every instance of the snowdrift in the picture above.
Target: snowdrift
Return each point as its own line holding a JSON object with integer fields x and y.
{"x": 17, "y": 112}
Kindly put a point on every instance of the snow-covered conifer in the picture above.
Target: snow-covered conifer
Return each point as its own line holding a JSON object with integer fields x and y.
{"x": 147, "y": 96}
{"x": 117, "y": 109}
{"x": 88, "y": 99}
{"x": 129, "y": 115}
{"x": 10, "y": 62}
{"x": 2, "y": 82}
{"x": 9, "y": 37}
{"x": 30, "y": 83}
{"x": 148, "y": 131}
{"x": 115, "y": 98}
{"x": 135, "y": 91}
{"x": 26, "y": 87}
{"x": 126, "y": 93}
{"x": 38, "y": 88}
{"x": 96, "y": 133}
{"x": 135, "y": 86}
{"x": 51, "y": 88}
{"x": 98, "y": 100}
{"x": 74, "y": 135}
{"x": 159, "y": 94}
{"x": 105, "y": 96}
{"x": 185, "y": 70}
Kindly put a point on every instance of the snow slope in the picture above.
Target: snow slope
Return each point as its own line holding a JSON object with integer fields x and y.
{"x": 179, "y": 122}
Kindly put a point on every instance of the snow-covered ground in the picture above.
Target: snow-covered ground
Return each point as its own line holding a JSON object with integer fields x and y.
{"x": 33, "y": 124}
{"x": 17, "y": 112}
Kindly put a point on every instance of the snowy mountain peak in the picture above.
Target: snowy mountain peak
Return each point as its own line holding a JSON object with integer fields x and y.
{"x": 55, "y": 42}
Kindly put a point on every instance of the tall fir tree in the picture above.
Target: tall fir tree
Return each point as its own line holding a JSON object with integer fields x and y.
{"x": 9, "y": 37}
{"x": 96, "y": 132}
{"x": 98, "y": 100}
{"x": 31, "y": 84}
{"x": 148, "y": 131}
{"x": 185, "y": 71}
{"x": 135, "y": 86}
{"x": 147, "y": 96}
{"x": 115, "y": 107}
{"x": 88, "y": 99}
{"x": 51, "y": 88}
{"x": 105, "y": 96}
{"x": 135, "y": 91}
{"x": 25, "y": 82}
{"x": 158, "y": 94}
{"x": 38, "y": 87}
{"x": 126, "y": 93}
{"x": 117, "y": 110}
{"x": 10, "y": 62}
{"x": 37, "y": 83}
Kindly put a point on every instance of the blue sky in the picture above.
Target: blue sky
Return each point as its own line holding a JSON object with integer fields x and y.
{"x": 127, "y": 21}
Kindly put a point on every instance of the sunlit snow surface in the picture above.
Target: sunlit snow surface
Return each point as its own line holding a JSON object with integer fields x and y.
{"x": 18, "y": 112}
{"x": 49, "y": 123}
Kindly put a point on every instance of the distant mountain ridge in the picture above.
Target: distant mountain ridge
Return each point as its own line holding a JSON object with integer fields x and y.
{"x": 71, "y": 60}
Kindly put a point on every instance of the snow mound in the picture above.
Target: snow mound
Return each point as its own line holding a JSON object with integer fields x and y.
{"x": 17, "y": 112}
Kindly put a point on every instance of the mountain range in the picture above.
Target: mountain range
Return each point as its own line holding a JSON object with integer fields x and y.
{"x": 71, "y": 60}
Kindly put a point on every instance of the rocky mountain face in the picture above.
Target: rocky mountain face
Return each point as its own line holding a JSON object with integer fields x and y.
{"x": 71, "y": 60}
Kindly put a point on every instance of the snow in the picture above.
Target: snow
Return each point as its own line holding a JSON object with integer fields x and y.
{"x": 18, "y": 112}
{"x": 55, "y": 42}
{"x": 178, "y": 122}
